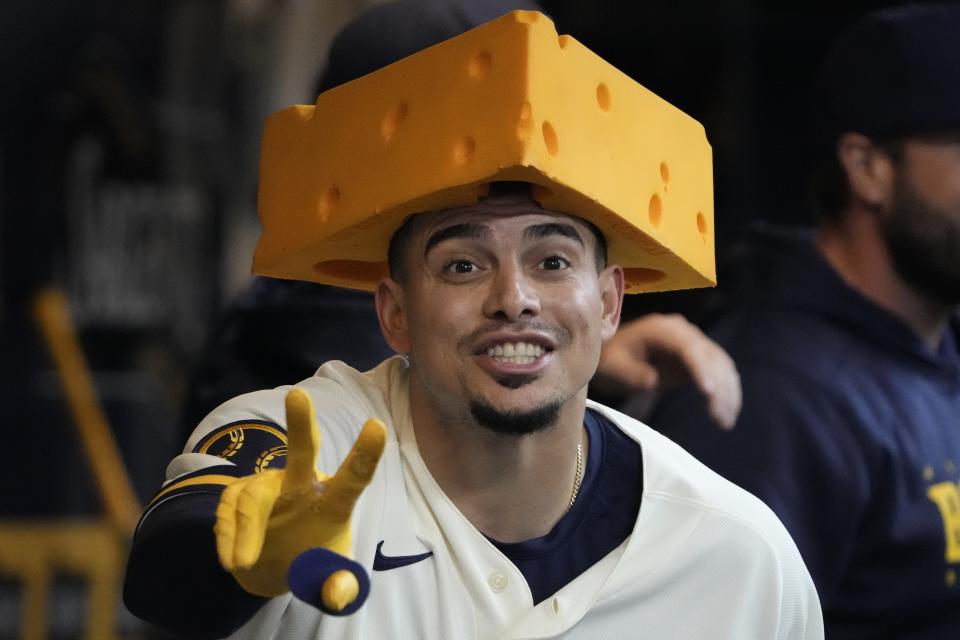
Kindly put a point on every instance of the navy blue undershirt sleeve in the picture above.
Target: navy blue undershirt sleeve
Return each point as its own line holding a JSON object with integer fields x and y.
{"x": 174, "y": 579}
{"x": 602, "y": 517}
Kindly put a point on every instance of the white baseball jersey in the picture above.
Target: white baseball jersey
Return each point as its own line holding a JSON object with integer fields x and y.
{"x": 705, "y": 559}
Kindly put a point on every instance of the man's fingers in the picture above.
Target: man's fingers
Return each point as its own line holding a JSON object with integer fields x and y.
{"x": 681, "y": 352}
{"x": 643, "y": 376}
{"x": 242, "y": 515}
{"x": 623, "y": 368}
{"x": 715, "y": 373}
{"x": 251, "y": 526}
{"x": 632, "y": 374}
{"x": 303, "y": 442}
{"x": 357, "y": 469}
{"x": 726, "y": 401}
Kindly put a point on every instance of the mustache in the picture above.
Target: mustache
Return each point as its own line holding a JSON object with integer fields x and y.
{"x": 559, "y": 335}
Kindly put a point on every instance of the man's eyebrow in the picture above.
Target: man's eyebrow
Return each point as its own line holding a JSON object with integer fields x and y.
{"x": 470, "y": 230}
{"x": 537, "y": 231}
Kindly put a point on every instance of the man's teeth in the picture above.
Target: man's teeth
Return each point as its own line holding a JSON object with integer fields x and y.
{"x": 515, "y": 352}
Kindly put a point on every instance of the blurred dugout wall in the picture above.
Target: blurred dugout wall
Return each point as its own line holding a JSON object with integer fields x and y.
{"x": 129, "y": 134}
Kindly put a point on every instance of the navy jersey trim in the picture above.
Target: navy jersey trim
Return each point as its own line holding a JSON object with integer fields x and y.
{"x": 602, "y": 517}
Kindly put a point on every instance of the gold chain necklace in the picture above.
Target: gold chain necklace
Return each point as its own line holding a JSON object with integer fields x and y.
{"x": 579, "y": 477}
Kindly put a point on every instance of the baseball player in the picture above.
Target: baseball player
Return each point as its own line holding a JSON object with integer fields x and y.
{"x": 477, "y": 492}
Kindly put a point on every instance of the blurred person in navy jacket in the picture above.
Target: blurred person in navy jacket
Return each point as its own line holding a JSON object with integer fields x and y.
{"x": 846, "y": 341}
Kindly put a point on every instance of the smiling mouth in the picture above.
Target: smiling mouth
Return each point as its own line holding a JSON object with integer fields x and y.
{"x": 516, "y": 352}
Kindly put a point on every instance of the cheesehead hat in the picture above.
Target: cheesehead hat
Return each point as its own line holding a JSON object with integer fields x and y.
{"x": 507, "y": 101}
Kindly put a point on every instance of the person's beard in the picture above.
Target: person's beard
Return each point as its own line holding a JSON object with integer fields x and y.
{"x": 514, "y": 422}
{"x": 924, "y": 244}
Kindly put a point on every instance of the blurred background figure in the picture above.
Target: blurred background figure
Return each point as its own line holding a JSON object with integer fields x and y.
{"x": 657, "y": 352}
{"x": 846, "y": 338}
{"x": 129, "y": 137}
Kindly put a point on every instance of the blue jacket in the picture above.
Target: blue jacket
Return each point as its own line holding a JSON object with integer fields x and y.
{"x": 850, "y": 431}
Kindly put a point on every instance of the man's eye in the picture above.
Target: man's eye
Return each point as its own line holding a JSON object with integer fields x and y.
{"x": 555, "y": 263}
{"x": 461, "y": 266}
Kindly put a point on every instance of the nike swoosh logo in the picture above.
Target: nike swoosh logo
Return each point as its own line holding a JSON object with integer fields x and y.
{"x": 382, "y": 562}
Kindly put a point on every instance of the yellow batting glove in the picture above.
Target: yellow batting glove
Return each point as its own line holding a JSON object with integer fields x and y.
{"x": 265, "y": 520}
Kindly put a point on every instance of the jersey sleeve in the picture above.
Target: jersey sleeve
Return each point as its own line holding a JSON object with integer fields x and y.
{"x": 174, "y": 579}
{"x": 793, "y": 448}
{"x": 800, "y": 614}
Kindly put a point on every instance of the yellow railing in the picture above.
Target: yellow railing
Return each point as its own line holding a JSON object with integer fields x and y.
{"x": 36, "y": 551}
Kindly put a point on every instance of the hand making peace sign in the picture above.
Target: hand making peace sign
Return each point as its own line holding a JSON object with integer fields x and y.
{"x": 265, "y": 520}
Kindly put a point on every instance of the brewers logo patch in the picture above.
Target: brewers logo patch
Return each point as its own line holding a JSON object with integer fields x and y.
{"x": 251, "y": 445}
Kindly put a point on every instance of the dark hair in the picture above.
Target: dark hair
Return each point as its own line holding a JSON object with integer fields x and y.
{"x": 397, "y": 251}
{"x": 400, "y": 241}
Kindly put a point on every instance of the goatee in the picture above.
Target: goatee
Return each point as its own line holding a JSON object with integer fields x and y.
{"x": 513, "y": 422}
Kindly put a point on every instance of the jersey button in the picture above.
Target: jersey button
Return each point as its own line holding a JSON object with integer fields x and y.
{"x": 555, "y": 606}
{"x": 497, "y": 581}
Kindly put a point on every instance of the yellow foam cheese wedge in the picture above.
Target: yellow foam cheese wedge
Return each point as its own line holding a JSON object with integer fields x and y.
{"x": 509, "y": 100}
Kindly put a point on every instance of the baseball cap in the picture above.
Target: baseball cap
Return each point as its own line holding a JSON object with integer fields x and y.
{"x": 895, "y": 72}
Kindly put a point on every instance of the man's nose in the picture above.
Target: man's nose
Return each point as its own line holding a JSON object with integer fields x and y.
{"x": 512, "y": 295}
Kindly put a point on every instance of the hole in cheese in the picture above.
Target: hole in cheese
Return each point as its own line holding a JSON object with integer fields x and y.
{"x": 352, "y": 271}
{"x": 463, "y": 150}
{"x": 701, "y": 223}
{"x": 603, "y": 97}
{"x": 480, "y": 65}
{"x": 328, "y": 202}
{"x": 525, "y": 125}
{"x": 563, "y": 41}
{"x": 655, "y": 209}
{"x": 664, "y": 172}
{"x": 392, "y": 121}
{"x": 550, "y": 139}
{"x": 638, "y": 276}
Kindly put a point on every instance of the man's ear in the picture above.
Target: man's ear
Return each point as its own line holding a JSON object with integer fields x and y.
{"x": 870, "y": 171}
{"x": 611, "y": 300}
{"x": 392, "y": 316}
